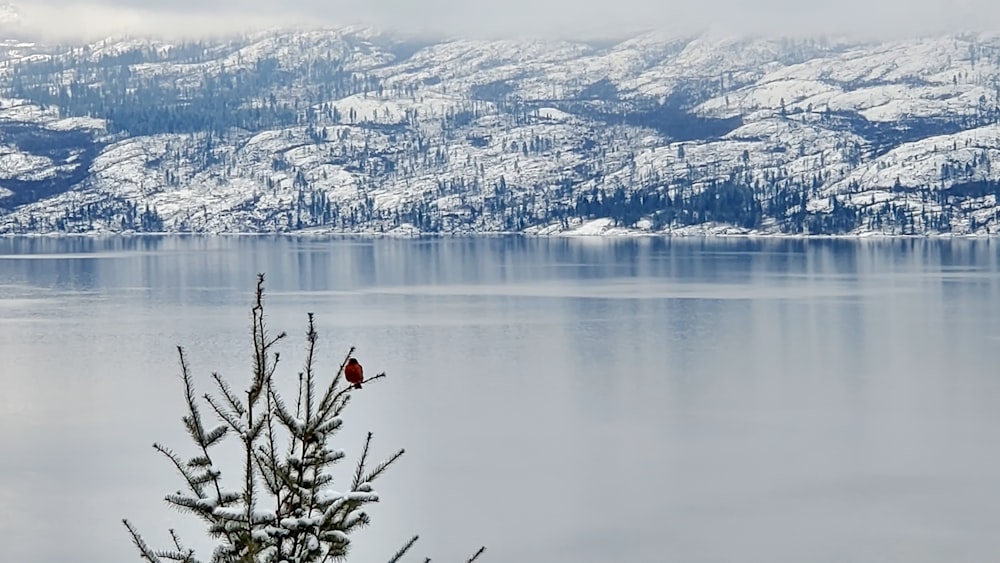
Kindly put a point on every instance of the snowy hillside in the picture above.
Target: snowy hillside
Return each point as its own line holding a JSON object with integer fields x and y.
{"x": 353, "y": 130}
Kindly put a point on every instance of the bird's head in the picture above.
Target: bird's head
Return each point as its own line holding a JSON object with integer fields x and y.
{"x": 351, "y": 361}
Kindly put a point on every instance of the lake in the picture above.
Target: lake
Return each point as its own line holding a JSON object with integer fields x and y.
{"x": 584, "y": 400}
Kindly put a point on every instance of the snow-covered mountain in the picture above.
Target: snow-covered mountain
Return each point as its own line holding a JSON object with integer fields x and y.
{"x": 355, "y": 130}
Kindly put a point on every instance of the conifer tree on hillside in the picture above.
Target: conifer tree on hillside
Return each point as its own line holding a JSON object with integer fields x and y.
{"x": 278, "y": 503}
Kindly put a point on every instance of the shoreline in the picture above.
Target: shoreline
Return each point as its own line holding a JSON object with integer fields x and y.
{"x": 494, "y": 234}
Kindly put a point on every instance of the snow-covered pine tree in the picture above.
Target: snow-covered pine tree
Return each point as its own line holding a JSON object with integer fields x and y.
{"x": 285, "y": 508}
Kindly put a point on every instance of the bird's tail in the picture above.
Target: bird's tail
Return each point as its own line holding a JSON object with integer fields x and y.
{"x": 357, "y": 386}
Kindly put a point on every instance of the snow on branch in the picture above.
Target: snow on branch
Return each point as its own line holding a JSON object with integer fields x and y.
{"x": 286, "y": 508}
{"x": 215, "y": 435}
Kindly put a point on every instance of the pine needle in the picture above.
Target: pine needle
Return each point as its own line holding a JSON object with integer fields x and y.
{"x": 402, "y": 551}
{"x": 383, "y": 466}
{"x": 361, "y": 463}
{"x": 144, "y": 551}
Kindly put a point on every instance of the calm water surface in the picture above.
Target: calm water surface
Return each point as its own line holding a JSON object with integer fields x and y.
{"x": 559, "y": 400}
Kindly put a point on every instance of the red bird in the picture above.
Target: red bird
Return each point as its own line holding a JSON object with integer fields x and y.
{"x": 354, "y": 373}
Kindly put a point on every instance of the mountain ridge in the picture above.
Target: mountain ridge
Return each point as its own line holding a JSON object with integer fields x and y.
{"x": 357, "y": 130}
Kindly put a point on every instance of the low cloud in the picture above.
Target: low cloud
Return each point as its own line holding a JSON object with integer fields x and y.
{"x": 87, "y": 22}
{"x": 66, "y": 19}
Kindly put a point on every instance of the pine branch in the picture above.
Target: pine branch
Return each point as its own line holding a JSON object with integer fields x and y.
{"x": 201, "y": 507}
{"x": 144, "y": 551}
{"x": 311, "y": 337}
{"x": 199, "y": 462}
{"x": 261, "y": 380}
{"x": 345, "y": 393}
{"x": 277, "y": 358}
{"x": 234, "y": 422}
{"x": 323, "y": 479}
{"x": 291, "y": 485}
{"x": 227, "y": 392}
{"x": 182, "y": 556}
{"x": 249, "y": 488}
{"x": 257, "y": 428}
{"x": 193, "y": 421}
{"x": 215, "y": 435}
{"x": 339, "y": 544}
{"x": 327, "y": 456}
{"x": 285, "y": 417}
{"x": 298, "y": 402}
{"x": 195, "y": 415}
{"x": 329, "y": 426}
{"x": 361, "y": 463}
{"x": 262, "y": 345}
{"x": 374, "y": 377}
{"x": 191, "y": 481}
{"x": 307, "y": 421}
{"x": 272, "y": 456}
{"x": 340, "y": 403}
{"x": 259, "y": 345}
{"x": 295, "y": 427}
{"x": 188, "y": 553}
{"x": 207, "y": 475}
{"x": 402, "y": 551}
{"x": 383, "y": 466}
{"x": 306, "y": 425}
{"x": 177, "y": 540}
{"x": 270, "y": 475}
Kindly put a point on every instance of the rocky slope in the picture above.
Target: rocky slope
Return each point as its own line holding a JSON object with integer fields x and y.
{"x": 354, "y": 130}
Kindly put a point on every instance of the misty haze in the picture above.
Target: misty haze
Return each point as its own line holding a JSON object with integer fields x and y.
{"x": 553, "y": 19}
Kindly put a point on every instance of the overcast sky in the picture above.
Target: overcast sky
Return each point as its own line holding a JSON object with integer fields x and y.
{"x": 553, "y": 18}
